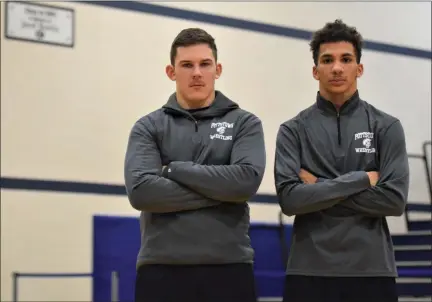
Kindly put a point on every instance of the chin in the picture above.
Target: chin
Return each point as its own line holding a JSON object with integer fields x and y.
{"x": 338, "y": 90}
{"x": 198, "y": 95}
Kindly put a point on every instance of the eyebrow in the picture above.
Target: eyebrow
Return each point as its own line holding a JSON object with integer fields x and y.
{"x": 188, "y": 61}
{"x": 347, "y": 54}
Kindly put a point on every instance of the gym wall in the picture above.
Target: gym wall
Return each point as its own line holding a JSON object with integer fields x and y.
{"x": 66, "y": 113}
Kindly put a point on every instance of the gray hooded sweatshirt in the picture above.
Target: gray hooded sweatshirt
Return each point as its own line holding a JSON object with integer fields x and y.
{"x": 340, "y": 226}
{"x": 191, "y": 173}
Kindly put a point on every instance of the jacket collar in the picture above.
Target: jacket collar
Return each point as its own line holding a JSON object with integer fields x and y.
{"x": 220, "y": 106}
{"x": 346, "y": 108}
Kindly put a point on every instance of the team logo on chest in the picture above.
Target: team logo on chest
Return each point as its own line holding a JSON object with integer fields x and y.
{"x": 221, "y": 131}
{"x": 366, "y": 139}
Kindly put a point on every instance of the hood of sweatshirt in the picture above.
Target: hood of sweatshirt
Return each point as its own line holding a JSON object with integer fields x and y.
{"x": 219, "y": 107}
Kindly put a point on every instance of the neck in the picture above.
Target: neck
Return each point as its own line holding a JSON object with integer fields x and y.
{"x": 337, "y": 99}
{"x": 195, "y": 104}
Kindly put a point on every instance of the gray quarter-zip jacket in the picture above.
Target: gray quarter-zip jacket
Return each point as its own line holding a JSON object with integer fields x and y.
{"x": 340, "y": 226}
{"x": 191, "y": 173}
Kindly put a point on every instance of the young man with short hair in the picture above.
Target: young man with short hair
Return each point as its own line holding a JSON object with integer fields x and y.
{"x": 341, "y": 167}
{"x": 190, "y": 168}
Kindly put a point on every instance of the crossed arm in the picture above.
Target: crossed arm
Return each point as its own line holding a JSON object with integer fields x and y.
{"x": 187, "y": 185}
{"x": 147, "y": 190}
{"x": 386, "y": 198}
{"x": 236, "y": 182}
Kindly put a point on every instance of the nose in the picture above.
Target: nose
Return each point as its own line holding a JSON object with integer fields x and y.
{"x": 196, "y": 72}
{"x": 337, "y": 68}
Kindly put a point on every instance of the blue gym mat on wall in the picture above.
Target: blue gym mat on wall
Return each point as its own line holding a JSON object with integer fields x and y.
{"x": 116, "y": 243}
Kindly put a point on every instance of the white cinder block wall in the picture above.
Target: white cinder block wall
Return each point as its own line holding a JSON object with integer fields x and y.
{"x": 66, "y": 112}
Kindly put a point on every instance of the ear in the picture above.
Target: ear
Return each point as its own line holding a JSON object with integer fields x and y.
{"x": 315, "y": 73}
{"x": 218, "y": 70}
{"x": 359, "y": 70}
{"x": 170, "y": 71}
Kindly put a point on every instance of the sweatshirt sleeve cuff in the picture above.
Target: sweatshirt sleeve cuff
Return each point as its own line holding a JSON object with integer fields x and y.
{"x": 361, "y": 177}
{"x": 164, "y": 172}
{"x": 171, "y": 168}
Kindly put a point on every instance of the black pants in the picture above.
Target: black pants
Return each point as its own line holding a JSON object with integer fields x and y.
{"x": 340, "y": 289}
{"x": 198, "y": 283}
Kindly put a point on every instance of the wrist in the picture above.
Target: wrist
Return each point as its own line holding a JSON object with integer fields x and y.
{"x": 319, "y": 179}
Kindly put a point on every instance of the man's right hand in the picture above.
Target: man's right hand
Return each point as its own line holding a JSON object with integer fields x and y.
{"x": 373, "y": 177}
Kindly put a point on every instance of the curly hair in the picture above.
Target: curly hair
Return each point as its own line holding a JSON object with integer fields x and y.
{"x": 336, "y": 31}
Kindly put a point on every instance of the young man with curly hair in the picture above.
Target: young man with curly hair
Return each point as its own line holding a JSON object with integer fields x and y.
{"x": 341, "y": 167}
{"x": 191, "y": 167}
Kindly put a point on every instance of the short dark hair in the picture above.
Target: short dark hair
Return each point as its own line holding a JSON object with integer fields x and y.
{"x": 192, "y": 36}
{"x": 336, "y": 31}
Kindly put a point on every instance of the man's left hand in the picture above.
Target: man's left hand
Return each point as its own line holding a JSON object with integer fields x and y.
{"x": 307, "y": 177}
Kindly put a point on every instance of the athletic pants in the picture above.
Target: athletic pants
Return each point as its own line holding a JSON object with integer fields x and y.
{"x": 196, "y": 283}
{"x": 340, "y": 289}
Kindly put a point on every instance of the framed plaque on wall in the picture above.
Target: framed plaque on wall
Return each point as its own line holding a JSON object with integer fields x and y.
{"x": 39, "y": 23}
